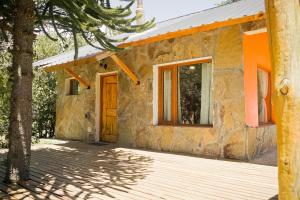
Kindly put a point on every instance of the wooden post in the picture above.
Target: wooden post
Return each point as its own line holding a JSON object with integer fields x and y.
{"x": 284, "y": 29}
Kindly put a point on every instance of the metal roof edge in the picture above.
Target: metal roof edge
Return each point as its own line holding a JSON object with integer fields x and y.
{"x": 255, "y": 15}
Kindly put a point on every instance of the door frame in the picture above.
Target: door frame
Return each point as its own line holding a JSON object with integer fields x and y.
{"x": 98, "y": 85}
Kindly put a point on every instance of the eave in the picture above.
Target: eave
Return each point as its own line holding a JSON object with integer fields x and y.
{"x": 166, "y": 36}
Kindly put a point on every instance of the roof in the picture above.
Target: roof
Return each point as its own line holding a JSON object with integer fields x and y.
{"x": 235, "y": 10}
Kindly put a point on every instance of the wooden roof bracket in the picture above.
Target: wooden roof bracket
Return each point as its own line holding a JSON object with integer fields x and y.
{"x": 126, "y": 69}
{"x": 77, "y": 77}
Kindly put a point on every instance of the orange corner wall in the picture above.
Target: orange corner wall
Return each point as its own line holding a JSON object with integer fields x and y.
{"x": 256, "y": 54}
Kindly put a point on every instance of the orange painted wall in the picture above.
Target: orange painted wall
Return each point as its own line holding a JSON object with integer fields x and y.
{"x": 256, "y": 54}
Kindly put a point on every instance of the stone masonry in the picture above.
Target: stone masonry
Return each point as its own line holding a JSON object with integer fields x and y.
{"x": 227, "y": 138}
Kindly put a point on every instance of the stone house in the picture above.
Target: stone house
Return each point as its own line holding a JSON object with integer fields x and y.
{"x": 196, "y": 84}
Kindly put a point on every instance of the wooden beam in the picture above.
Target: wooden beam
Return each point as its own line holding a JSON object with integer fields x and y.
{"x": 77, "y": 77}
{"x": 104, "y": 54}
{"x": 197, "y": 29}
{"x": 125, "y": 68}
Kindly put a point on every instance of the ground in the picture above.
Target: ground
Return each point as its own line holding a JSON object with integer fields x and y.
{"x": 74, "y": 170}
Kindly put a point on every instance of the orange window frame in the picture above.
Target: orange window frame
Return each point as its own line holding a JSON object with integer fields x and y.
{"x": 174, "y": 101}
{"x": 174, "y": 90}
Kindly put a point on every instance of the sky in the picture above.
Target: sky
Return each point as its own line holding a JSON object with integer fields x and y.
{"x": 166, "y": 9}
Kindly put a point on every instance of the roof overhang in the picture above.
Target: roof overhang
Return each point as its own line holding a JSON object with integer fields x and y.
{"x": 197, "y": 29}
{"x": 170, "y": 35}
{"x": 79, "y": 62}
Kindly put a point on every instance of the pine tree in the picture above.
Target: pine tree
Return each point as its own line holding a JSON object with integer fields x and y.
{"x": 21, "y": 20}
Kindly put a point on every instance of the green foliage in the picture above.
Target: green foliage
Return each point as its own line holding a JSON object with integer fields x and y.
{"x": 44, "y": 89}
{"x": 44, "y": 97}
{"x": 5, "y": 89}
{"x": 89, "y": 19}
{"x": 45, "y": 47}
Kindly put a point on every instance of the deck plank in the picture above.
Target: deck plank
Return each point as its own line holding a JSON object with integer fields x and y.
{"x": 75, "y": 170}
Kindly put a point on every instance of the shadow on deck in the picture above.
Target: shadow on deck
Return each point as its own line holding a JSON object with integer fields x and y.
{"x": 80, "y": 171}
{"x": 75, "y": 170}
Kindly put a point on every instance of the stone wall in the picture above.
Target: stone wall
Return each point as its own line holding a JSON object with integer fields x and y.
{"x": 260, "y": 140}
{"x": 227, "y": 138}
{"x": 76, "y": 113}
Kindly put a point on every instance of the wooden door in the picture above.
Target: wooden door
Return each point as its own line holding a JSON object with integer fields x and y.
{"x": 109, "y": 95}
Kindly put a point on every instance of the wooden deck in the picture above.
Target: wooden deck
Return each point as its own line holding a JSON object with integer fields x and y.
{"x": 79, "y": 171}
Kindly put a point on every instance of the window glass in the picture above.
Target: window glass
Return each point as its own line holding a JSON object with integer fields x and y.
{"x": 186, "y": 95}
{"x": 74, "y": 87}
{"x": 167, "y": 82}
{"x": 194, "y": 93}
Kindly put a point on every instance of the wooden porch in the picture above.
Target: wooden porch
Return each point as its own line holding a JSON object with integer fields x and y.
{"x": 75, "y": 170}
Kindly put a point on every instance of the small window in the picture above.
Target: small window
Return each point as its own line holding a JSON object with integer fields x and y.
{"x": 185, "y": 94}
{"x": 264, "y": 96}
{"x": 72, "y": 87}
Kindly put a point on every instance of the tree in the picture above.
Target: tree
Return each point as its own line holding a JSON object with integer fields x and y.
{"x": 44, "y": 88}
{"x": 5, "y": 60}
{"x": 283, "y": 19}
{"x": 20, "y": 19}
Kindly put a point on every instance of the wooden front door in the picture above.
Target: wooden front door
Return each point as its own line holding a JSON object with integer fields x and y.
{"x": 109, "y": 96}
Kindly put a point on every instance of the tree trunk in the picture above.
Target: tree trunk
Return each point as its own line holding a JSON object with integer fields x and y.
{"x": 18, "y": 158}
{"x": 284, "y": 28}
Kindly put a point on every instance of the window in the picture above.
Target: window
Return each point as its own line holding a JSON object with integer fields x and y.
{"x": 264, "y": 96}
{"x": 72, "y": 86}
{"x": 185, "y": 94}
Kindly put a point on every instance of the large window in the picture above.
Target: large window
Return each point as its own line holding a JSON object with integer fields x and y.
{"x": 185, "y": 94}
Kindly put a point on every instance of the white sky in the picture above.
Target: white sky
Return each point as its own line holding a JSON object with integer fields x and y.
{"x": 166, "y": 9}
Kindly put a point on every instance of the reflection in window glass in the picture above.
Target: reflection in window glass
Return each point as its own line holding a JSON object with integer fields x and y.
{"x": 194, "y": 94}
{"x": 74, "y": 87}
{"x": 167, "y": 95}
